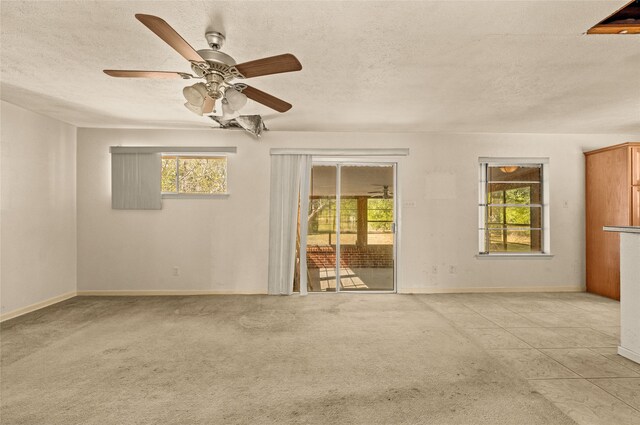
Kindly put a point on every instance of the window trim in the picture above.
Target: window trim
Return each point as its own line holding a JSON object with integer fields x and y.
{"x": 192, "y": 154}
{"x": 483, "y": 164}
{"x": 171, "y": 195}
{"x": 166, "y": 150}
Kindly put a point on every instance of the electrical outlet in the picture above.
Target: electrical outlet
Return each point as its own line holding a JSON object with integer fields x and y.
{"x": 176, "y": 271}
{"x": 434, "y": 269}
{"x": 452, "y": 269}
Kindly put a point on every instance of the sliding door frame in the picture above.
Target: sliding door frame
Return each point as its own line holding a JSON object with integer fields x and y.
{"x": 338, "y": 163}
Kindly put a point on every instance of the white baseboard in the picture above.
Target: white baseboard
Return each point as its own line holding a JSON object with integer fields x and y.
{"x": 121, "y": 293}
{"x": 36, "y": 306}
{"x": 489, "y": 289}
{"x": 115, "y": 293}
{"x": 169, "y": 292}
{"x": 631, "y": 355}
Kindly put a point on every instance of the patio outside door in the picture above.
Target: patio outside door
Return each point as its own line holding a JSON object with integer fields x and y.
{"x": 351, "y": 228}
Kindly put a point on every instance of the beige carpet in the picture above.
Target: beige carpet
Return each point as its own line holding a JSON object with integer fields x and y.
{"x": 321, "y": 359}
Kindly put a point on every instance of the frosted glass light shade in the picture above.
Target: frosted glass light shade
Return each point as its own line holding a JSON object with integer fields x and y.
{"x": 195, "y": 94}
{"x": 236, "y": 99}
{"x": 228, "y": 112}
{"x": 195, "y": 109}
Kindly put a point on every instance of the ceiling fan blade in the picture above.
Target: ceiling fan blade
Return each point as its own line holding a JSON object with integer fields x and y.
{"x": 267, "y": 66}
{"x": 125, "y": 73}
{"x": 266, "y": 99}
{"x": 170, "y": 36}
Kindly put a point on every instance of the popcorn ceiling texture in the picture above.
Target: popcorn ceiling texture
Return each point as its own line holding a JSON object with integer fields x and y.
{"x": 423, "y": 66}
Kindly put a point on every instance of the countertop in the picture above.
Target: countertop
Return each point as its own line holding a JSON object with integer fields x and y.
{"x": 623, "y": 229}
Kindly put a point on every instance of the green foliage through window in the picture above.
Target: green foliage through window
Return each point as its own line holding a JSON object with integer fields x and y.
{"x": 380, "y": 214}
{"x": 194, "y": 175}
{"x": 322, "y": 220}
{"x": 513, "y": 220}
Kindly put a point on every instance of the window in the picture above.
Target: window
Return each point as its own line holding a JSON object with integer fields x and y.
{"x": 194, "y": 175}
{"x": 513, "y": 205}
{"x": 142, "y": 175}
{"x": 322, "y": 220}
{"x": 380, "y": 221}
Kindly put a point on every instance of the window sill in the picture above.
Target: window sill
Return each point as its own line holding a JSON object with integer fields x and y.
{"x": 512, "y": 256}
{"x": 194, "y": 195}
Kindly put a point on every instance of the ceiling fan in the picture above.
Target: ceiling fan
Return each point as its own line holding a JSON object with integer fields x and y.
{"x": 218, "y": 70}
{"x": 384, "y": 192}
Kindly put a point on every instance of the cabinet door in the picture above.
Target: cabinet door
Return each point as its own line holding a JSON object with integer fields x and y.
{"x": 635, "y": 166}
{"x": 635, "y": 206}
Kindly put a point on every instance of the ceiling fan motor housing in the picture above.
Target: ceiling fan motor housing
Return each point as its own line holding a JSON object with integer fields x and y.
{"x": 217, "y": 62}
{"x": 216, "y": 56}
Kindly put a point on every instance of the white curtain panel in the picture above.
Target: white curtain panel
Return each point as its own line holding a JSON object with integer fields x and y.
{"x": 305, "y": 188}
{"x": 136, "y": 181}
{"x": 287, "y": 175}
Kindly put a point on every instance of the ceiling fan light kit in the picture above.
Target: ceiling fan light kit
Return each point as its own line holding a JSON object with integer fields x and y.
{"x": 218, "y": 70}
{"x": 198, "y": 110}
{"x": 235, "y": 98}
{"x": 195, "y": 94}
{"x": 198, "y": 100}
{"x": 228, "y": 112}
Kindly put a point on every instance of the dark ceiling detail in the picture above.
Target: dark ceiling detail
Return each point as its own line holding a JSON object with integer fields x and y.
{"x": 624, "y": 21}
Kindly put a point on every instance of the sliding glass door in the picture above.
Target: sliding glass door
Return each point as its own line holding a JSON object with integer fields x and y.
{"x": 351, "y": 228}
{"x": 321, "y": 230}
{"x": 367, "y": 227}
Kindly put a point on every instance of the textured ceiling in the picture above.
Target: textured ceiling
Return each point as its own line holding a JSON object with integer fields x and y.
{"x": 437, "y": 66}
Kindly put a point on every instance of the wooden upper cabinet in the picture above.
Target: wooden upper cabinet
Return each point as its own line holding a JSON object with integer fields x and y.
{"x": 635, "y": 166}
{"x": 635, "y": 205}
{"x": 612, "y": 199}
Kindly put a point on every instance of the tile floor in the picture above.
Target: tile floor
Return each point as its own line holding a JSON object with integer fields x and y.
{"x": 564, "y": 344}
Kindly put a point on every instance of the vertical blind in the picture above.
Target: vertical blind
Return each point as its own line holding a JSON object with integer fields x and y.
{"x": 289, "y": 176}
{"x": 136, "y": 181}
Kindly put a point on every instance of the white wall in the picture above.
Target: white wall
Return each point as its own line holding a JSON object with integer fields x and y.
{"x": 38, "y": 224}
{"x": 222, "y": 244}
